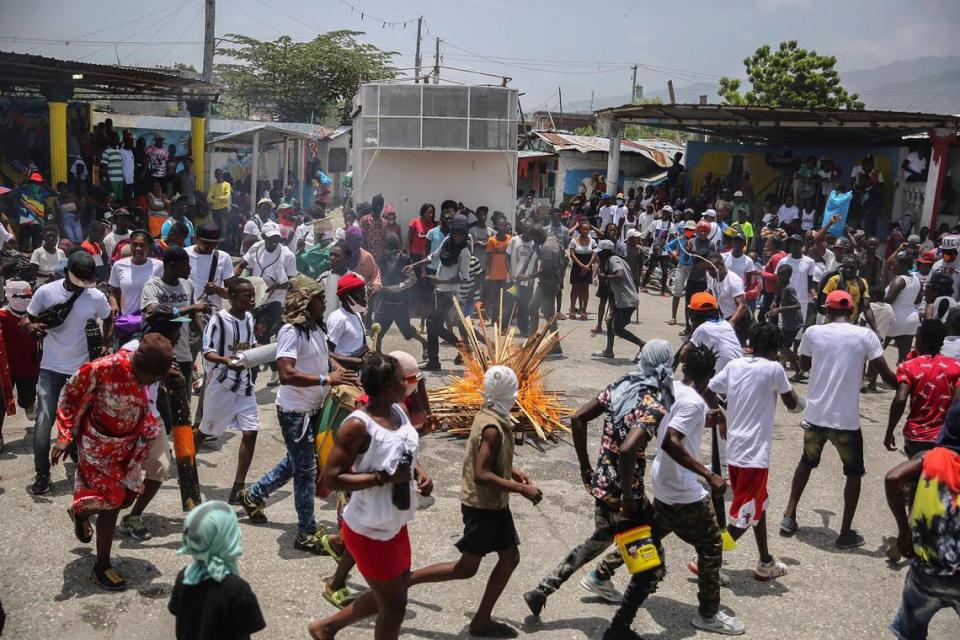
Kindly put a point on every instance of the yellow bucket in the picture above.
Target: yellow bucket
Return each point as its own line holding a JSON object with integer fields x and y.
{"x": 729, "y": 544}
{"x": 637, "y": 549}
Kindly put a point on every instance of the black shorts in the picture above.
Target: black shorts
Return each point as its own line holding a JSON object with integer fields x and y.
{"x": 487, "y": 531}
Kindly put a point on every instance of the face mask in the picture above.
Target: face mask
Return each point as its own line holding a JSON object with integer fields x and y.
{"x": 357, "y": 308}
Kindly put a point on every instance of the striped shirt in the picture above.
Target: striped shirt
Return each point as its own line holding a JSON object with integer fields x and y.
{"x": 113, "y": 159}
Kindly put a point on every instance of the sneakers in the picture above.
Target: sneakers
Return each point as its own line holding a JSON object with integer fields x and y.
{"x": 41, "y": 484}
{"x": 133, "y": 526}
{"x": 694, "y": 569}
{"x": 603, "y": 588}
{"x": 310, "y": 543}
{"x": 788, "y": 527}
{"x": 31, "y": 412}
{"x": 849, "y": 540}
{"x": 535, "y": 600}
{"x": 274, "y": 379}
{"x": 431, "y": 366}
{"x": 723, "y": 623}
{"x": 621, "y": 633}
{"x": 769, "y": 570}
{"x": 253, "y": 508}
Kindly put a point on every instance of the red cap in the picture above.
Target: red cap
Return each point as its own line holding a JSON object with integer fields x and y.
{"x": 928, "y": 257}
{"x": 348, "y": 282}
{"x": 839, "y": 300}
{"x": 703, "y": 301}
{"x": 36, "y": 177}
{"x": 703, "y": 225}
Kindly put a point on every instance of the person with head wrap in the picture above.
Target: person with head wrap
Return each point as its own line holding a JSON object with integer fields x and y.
{"x": 927, "y": 533}
{"x": 488, "y": 479}
{"x": 107, "y": 403}
{"x": 346, "y": 332}
{"x": 306, "y": 375}
{"x": 19, "y": 354}
{"x": 453, "y": 256}
{"x": 632, "y": 408}
{"x": 210, "y": 600}
{"x": 397, "y": 283}
{"x": 362, "y": 261}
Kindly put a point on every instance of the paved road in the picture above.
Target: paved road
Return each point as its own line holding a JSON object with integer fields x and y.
{"x": 44, "y": 571}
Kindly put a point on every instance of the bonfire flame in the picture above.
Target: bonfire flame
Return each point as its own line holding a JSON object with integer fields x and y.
{"x": 537, "y": 408}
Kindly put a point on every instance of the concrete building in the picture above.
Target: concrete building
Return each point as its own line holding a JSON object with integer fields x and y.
{"x": 417, "y": 143}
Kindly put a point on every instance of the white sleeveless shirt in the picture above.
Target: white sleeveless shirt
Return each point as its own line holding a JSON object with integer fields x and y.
{"x": 370, "y": 512}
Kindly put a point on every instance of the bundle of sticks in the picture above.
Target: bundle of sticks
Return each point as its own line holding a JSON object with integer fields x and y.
{"x": 537, "y": 409}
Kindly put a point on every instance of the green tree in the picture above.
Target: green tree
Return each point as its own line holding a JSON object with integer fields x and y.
{"x": 790, "y": 77}
{"x": 297, "y": 81}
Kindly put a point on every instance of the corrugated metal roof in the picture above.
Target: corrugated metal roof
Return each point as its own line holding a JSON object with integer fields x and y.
{"x": 217, "y": 126}
{"x": 659, "y": 151}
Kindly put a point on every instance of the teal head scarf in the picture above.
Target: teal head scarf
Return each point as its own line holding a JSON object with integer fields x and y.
{"x": 653, "y": 373}
{"x": 211, "y": 534}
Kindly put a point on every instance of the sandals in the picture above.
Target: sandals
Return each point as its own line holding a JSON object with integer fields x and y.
{"x": 108, "y": 579}
{"x": 339, "y": 598}
{"x": 327, "y": 542}
{"x": 602, "y": 354}
{"x": 82, "y": 528}
{"x": 596, "y": 330}
{"x": 672, "y": 321}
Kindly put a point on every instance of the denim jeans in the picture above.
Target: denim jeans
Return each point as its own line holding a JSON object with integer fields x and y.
{"x": 72, "y": 228}
{"x": 49, "y": 386}
{"x": 300, "y": 464}
{"x": 923, "y": 596}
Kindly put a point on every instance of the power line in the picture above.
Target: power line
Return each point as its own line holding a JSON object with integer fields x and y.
{"x": 94, "y": 43}
{"x": 160, "y": 27}
{"x": 196, "y": 15}
{"x": 253, "y": 17}
{"x": 364, "y": 15}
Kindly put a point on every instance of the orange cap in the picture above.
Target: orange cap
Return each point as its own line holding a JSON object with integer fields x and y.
{"x": 703, "y": 301}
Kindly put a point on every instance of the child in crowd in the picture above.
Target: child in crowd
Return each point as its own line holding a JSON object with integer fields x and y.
{"x": 786, "y": 306}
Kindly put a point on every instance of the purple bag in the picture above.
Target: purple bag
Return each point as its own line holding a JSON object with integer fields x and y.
{"x": 128, "y": 324}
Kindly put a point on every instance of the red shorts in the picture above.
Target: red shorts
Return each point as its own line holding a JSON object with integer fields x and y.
{"x": 749, "y": 486}
{"x": 378, "y": 559}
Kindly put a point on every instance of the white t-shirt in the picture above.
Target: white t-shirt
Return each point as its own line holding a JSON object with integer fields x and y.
{"x": 838, "y": 351}
{"x": 807, "y": 219}
{"x": 130, "y": 278}
{"x": 275, "y": 267}
{"x": 751, "y": 386}
{"x": 916, "y": 162}
{"x": 788, "y": 214}
{"x": 310, "y": 352}
{"x": 46, "y": 262}
{"x": 200, "y": 271}
{"x": 522, "y": 262}
{"x": 740, "y": 266}
{"x": 156, "y": 291}
{"x": 112, "y": 239}
{"x": 65, "y": 347}
{"x": 251, "y": 226}
{"x": 720, "y": 336}
{"x": 606, "y": 216}
{"x": 345, "y": 332}
{"x": 672, "y": 483}
{"x": 803, "y": 269}
{"x": 726, "y": 291}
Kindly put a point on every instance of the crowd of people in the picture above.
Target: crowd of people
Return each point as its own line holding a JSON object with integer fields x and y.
{"x": 100, "y": 312}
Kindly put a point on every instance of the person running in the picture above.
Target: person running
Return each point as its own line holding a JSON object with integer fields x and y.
{"x": 395, "y": 293}
{"x": 836, "y": 351}
{"x": 632, "y": 408}
{"x": 453, "y": 257}
{"x": 682, "y": 505}
{"x": 615, "y": 273}
{"x": 305, "y": 377}
{"x": 728, "y": 288}
{"x": 488, "y": 479}
{"x": 346, "y": 333}
{"x": 751, "y": 386}
{"x": 228, "y": 398}
{"x": 22, "y": 353}
{"x": 107, "y": 403}
{"x": 928, "y": 533}
{"x": 375, "y": 458}
{"x": 904, "y": 294}
{"x": 710, "y": 330}
{"x": 210, "y": 599}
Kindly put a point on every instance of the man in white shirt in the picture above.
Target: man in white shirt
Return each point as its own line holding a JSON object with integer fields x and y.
{"x": 276, "y": 265}
{"x": 716, "y": 233}
{"x": 751, "y": 386}
{"x": 524, "y": 264}
{"x": 788, "y": 211}
{"x": 48, "y": 255}
{"x": 914, "y": 167}
{"x": 681, "y": 504}
{"x": 727, "y": 288}
{"x": 835, "y": 353}
{"x": 207, "y": 276}
{"x": 120, "y": 219}
{"x": 305, "y": 377}
{"x": 803, "y": 272}
{"x": 710, "y": 330}
{"x": 64, "y": 345}
{"x": 607, "y": 209}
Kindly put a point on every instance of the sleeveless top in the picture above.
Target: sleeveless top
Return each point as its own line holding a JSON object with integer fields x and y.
{"x": 904, "y": 304}
{"x": 370, "y": 512}
{"x": 482, "y": 496}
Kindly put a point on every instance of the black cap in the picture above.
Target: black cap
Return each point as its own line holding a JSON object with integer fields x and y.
{"x": 81, "y": 269}
{"x": 208, "y": 232}
{"x": 175, "y": 254}
{"x": 796, "y": 238}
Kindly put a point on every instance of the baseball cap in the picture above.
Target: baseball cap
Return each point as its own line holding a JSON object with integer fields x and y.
{"x": 175, "y": 254}
{"x": 265, "y": 200}
{"x": 738, "y": 194}
{"x": 703, "y": 225}
{"x": 620, "y": 195}
{"x": 667, "y": 209}
{"x": 913, "y": 239}
{"x": 842, "y": 242}
{"x": 348, "y": 282}
{"x": 81, "y": 270}
{"x": 950, "y": 243}
{"x": 633, "y": 233}
{"x": 703, "y": 301}
{"x": 839, "y": 300}
{"x": 605, "y": 245}
{"x": 122, "y": 211}
{"x": 928, "y": 257}
{"x": 605, "y": 196}
{"x": 796, "y": 238}
{"x": 690, "y": 225}
{"x": 208, "y": 232}
{"x": 270, "y": 230}
{"x": 710, "y": 213}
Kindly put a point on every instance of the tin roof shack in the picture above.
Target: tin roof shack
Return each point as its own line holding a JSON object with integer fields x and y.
{"x": 554, "y": 165}
{"x": 418, "y": 143}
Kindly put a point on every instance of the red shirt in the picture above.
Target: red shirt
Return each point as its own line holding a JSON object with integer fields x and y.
{"x": 769, "y": 273}
{"x": 931, "y": 380}
{"x": 418, "y": 239}
{"x": 23, "y": 351}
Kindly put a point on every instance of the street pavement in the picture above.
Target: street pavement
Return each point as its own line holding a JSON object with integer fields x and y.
{"x": 828, "y": 593}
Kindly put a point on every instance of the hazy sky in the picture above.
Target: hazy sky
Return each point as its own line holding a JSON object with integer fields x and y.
{"x": 580, "y": 46}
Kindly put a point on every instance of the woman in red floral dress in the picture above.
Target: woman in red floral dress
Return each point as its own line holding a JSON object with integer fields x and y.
{"x": 106, "y": 408}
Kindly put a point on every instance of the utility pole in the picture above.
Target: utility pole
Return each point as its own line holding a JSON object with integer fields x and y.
{"x": 209, "y": 39}
{"x": 673, "y": 97}
{"x": 591, "y": 100}
{"x": 417, "y": 60}
{"x": 633, "y": 85}
{"x": 560, "y": 93}
{"x": 436, "y": 63}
